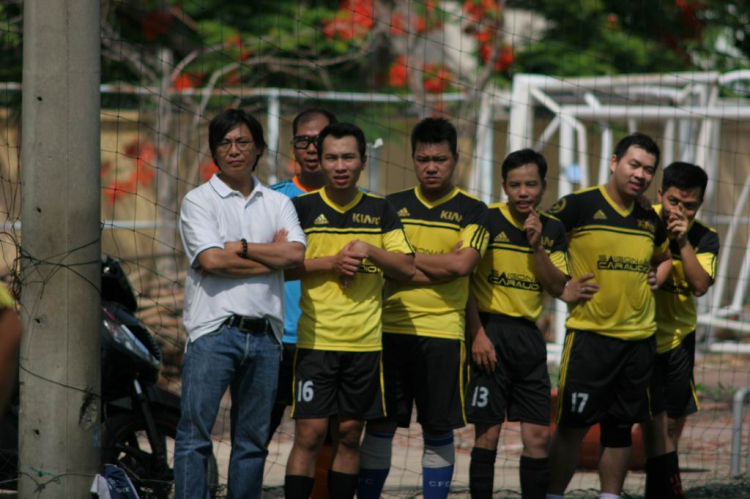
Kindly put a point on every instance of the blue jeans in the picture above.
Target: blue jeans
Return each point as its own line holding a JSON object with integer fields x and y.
{"x": 248, "y": 364}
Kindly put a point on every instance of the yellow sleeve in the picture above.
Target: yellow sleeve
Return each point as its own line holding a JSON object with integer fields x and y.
{"x": 396, "y": 241}
{"x": 475, "y": 236}
{"x": 708, "y": 262}
{"x": 560, "y": 260}
{"x": 6, "y": 300}
{"x": 662, "y": 248}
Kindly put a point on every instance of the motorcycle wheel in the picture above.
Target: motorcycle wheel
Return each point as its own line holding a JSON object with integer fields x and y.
{"x": 126, "y": 445}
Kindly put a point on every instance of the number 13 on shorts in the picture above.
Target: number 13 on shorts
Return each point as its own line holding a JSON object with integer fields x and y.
{"x": 480, "y": 398}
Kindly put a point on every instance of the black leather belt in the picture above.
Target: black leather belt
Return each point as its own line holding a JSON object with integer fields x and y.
{"x": 249, "y": 324}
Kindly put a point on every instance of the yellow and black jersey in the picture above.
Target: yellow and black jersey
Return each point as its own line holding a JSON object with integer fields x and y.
{"x": 436, "y": 310}
{"x": 505, "y": 281}
{"x": 675, "y": 308}
{"x": 617, "y": 246}
{"x": 332, "y": 318}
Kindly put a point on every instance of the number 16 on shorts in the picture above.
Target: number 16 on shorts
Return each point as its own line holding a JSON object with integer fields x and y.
{"x": 305, "y": 391}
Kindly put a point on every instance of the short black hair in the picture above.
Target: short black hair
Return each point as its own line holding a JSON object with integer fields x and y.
{"x": 310, "y": 114}
{"x": 228, "y": 120}
{"x": 684, "y": 176}
{"x": 639, "y": 140}
{"x": 339, "y": 131}
{"x": 434, "y": 131}
{"x": 522, "y": 157}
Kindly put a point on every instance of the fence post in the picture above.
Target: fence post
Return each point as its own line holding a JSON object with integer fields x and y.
{"x": 738, "y": 407}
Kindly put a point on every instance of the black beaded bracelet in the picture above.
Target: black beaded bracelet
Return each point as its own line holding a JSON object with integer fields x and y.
{"x": 244, "y": 247}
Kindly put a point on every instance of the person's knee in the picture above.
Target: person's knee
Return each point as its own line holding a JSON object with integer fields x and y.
{"x": 487, "y": 436}
{"x": 350, "y": 433}
{"x": 535, "y": 438}
{"x": 615, "y": 434}
{"x": 673, "y": 427}
{"x": 309, "y": 435}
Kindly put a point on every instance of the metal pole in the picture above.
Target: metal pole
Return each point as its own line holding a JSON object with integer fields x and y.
{"x": 481, "y": 178}
{"x": 738, "y": 406}
{"x": 59, "y": 427}
{"x": 521, "y": 115}
{"x": 273, "y": 121}
{"x": 565, "y": 187}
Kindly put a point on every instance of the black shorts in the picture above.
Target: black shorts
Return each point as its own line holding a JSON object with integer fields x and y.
{"x": 329, "y": 383}
{"x": 603, "y": 377}
{"x": 672, "y": 386}
{"x": 519, "y": 388}
{"x": 286, "y": 375}
{"x": 426, "y": 371}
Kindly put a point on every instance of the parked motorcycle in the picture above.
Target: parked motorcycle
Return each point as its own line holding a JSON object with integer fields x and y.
{"x": 139, "y": 416}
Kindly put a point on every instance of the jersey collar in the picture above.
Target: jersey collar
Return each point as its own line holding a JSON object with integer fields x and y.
{"x": 623, "y": 213}
{"x": 341, "y": 209}
{"x": 428, "y": 204}
{"x": 509, "y": 216}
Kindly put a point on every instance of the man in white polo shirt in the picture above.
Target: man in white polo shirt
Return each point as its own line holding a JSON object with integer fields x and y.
{"x": 239, "y": 236}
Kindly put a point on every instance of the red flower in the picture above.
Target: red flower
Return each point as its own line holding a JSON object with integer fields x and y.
{"x": 156, "y": 24}
{"x": 505, "y": 59}
{"x": 439, "y": 79}
{"x": 420, "y": 24}
{"x": 144, "y": 173}
{"x": 397, "y": 24}
{"x": 505, "y": 56}
{"x": 354, "y": 19}
{"x": 135, "y": 150}
{"x": 397, "y": 73}
{"x": 363, "y": 13}
{"x": 119, "y": 188}
{"x": 612, "y": 21}
{"x": 473, "y": 11}
{"x": 485, "y": 36}
{"x": 232, "y": 79}
{"x": 207, "y": 170}
{"x": 185, "y": 81}
{"x": 106, "y": 166}
{"x": 329, "y": 30}
{"x": 234, "y": 41}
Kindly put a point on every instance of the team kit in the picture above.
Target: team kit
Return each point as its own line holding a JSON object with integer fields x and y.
{"x": 427, "y": 301}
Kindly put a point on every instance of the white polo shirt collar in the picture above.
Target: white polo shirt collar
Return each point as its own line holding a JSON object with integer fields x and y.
{"x": 223, "y": 190}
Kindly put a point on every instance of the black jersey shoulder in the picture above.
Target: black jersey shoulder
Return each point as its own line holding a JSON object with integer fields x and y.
{"x": 592, "y": 210}
{"x": 309, "y": 206}
{"x": 702, "y": 237}
{"x": 459, "y": 211}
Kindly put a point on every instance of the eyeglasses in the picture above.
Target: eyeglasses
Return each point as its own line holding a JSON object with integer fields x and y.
{"x": 304, "y": 141}
{"x": 226, "y": 145}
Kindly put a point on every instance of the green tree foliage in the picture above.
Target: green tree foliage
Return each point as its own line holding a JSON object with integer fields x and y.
{"x": 600, "y": 37}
